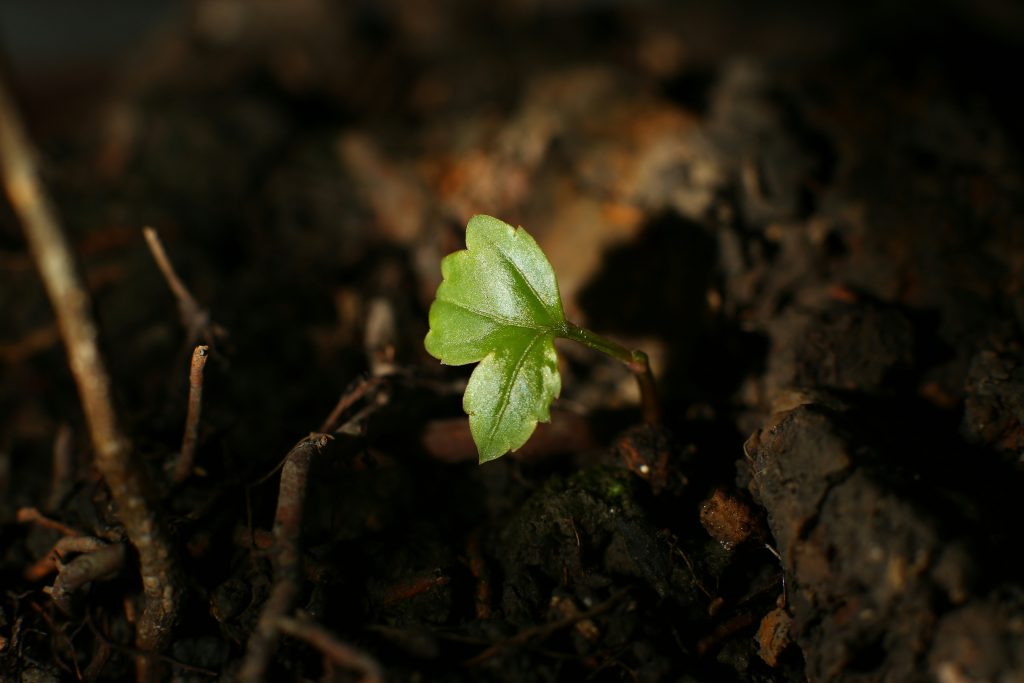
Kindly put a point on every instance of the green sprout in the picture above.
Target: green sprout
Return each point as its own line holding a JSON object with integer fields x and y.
{"x": 498, "y": 304}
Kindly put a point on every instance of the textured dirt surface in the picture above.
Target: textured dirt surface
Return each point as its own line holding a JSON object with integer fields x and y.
{"x": 813, "y": 221}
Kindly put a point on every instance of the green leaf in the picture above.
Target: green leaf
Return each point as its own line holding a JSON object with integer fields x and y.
{"x": 498, "y": 304}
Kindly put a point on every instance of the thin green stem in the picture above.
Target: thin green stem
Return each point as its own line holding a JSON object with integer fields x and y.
{"x": 636, "y": 361}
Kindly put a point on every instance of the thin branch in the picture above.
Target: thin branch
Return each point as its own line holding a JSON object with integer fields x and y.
{"x": 347, "y": 400}
{"x": 287, "y": 558}
{"x": 333, "y": 425}
{"x": 194, "y": 317}
{"x": 286, "y": 552}
{"x": 355, "y": 425}
{"x": 30, "y": 515}
{"x": 183, "y": 466}
{"x": 337, "y": 652}
{"x": 126, "y": 479}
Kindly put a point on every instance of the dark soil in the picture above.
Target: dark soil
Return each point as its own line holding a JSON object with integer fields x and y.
{"x": 813, "y": 221}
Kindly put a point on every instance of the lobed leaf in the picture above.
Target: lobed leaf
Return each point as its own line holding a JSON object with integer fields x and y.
{"x": 498, "y": 304}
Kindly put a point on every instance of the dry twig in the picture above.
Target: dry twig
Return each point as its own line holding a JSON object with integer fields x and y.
{"x": 30, "y": 515}
{"x": 356, "y": 425}
{"x": 128, "y": 483}
{"x": 350, "y": 427}
{"x": 194, "y": 317}
{"x": 347, "y": 400}
{"x": 287, "y": 558}
{"x": 183, "y": 466}
{"x": 287, "y": 555}
{"x": 336, "y": 652}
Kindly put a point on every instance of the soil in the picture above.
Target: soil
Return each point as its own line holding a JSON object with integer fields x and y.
{"x": 812, "y": 220}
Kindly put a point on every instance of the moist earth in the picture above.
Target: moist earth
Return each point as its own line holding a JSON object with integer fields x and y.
{"x": 813, "y": 222}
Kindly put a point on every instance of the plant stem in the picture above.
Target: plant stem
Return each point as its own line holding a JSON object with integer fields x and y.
{"x": 636, "y": 361}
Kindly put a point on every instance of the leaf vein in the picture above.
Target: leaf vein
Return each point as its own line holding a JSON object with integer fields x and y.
{"x": 522, "y": 277}
{"x": 507, "y": 389}
{"x": 487, "y": 315}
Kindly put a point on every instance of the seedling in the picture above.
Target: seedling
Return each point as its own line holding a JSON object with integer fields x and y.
{"x": 498, "y": 304}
